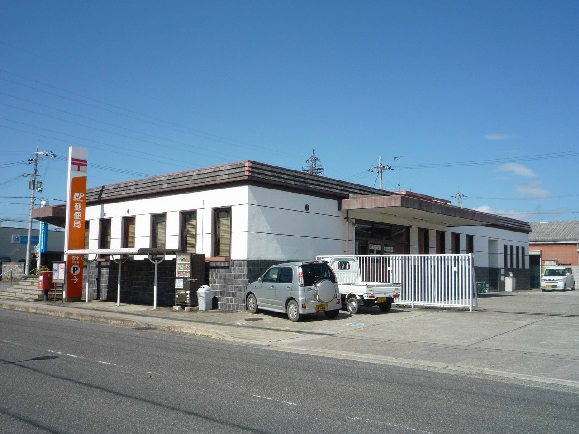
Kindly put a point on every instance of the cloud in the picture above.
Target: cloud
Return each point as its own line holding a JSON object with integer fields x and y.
{"x": 519, "y": 215}
{"x": 533, "y": 190}
{"x": 485, "y": 208}
{"x": 499, "y": 137}
{"x": 518, "y": 169}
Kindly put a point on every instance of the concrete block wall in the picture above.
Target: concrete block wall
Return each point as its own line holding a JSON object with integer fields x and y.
{"x": 11, "y": 270}
{"x": 229, "y": 281}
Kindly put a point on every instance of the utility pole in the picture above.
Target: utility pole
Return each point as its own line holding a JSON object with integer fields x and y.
{"x": 380, "y": 168}
{"x": 399, "y": 174}
{"x": 314, "y": 168}
{"x": 458, "y": 196}
{"x": 33, "y": 186}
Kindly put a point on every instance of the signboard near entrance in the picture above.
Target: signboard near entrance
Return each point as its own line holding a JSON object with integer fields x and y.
{"x": 75, "y": 214}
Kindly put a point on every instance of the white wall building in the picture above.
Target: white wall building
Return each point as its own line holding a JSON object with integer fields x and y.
{"x": 246, "y": 216}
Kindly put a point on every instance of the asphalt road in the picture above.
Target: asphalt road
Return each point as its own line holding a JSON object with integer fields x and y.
{"x": 65, "y": 376}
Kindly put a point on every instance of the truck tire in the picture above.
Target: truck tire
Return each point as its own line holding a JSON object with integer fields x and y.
{"x": 385, "y": 307}
{"x": 352, "y": 305}
{"x": 325, "y": 290}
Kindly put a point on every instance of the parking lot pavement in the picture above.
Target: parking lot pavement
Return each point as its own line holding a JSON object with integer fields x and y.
{"x": 526, "y": 336}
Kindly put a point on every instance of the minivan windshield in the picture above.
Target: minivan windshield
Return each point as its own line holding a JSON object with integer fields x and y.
{"x": 316, "y": 271}
{"x": 554, "y": 272}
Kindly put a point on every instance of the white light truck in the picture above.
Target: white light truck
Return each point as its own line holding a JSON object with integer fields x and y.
{"x": 354, "y": 291}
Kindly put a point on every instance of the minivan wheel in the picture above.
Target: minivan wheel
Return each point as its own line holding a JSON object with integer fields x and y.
{"x": 293, "y": 312}
{"x": 251, "y": 303}
{"x": 352, "y": 305}
{"x": 332, "y": 313}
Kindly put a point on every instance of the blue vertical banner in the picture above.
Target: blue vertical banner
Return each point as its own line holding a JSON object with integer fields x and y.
{"x": 43, "y": 241}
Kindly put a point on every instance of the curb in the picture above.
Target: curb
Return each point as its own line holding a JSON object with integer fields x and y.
{"x": 111, "y": 319}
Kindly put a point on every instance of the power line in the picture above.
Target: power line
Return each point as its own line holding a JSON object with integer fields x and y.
{"x": 558, "y": 196}
{"x": 563, "y": 154}
{"x": 206, "y": 135}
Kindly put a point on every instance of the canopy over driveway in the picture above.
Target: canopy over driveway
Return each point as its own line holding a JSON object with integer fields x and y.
{"x": 416, "y": 210}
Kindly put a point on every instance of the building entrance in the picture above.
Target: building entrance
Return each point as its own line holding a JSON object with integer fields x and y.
{"x": 374, "y": 238}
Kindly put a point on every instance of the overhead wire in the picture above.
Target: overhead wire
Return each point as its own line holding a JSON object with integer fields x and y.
{"x": 209, "y": 136}
{"x": 123, "y": 135}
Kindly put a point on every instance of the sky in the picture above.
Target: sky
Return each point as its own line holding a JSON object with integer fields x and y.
{"x": 470, "y": 99}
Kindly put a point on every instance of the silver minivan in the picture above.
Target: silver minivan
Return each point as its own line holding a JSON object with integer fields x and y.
{"x": 296, "y": 288}
{"x": 558, "y": 277}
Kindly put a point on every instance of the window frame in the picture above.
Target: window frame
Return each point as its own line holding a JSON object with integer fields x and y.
{"x": 155, "y": 224}
{"x": 218, "y": 250}
{"x": 87, "y": 234}
{"x": 470, "y": 244}
{"x": 125, "y": 236}
{"x": 183, "y": 238}
{"x": 455, "y": 242}
{"x": 104, "y": 236}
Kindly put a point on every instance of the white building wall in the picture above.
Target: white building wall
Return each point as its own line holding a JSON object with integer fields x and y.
{"x": 267, "y": 224}
{"x": 291, "y": 226}
{"x": 497, "y": 237}
{"x": 203, "y": 202}
{"x": 414, "y": 240}
{"x": 432, "y": 241}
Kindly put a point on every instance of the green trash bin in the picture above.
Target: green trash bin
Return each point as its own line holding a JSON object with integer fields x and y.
{"x": 482, "y": 287}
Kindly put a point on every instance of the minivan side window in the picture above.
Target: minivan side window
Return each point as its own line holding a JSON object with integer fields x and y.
{"x": 271, "y": 275}
{"x": 285, "y": 275}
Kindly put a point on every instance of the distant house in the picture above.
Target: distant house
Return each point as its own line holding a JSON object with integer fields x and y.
{"x": 13, "y": 243}
{"x": 247, "y": 215}
{"x": 555, "y": 243}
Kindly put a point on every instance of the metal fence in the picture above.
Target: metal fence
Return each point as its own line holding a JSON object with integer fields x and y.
{"x": 427, "y": 280}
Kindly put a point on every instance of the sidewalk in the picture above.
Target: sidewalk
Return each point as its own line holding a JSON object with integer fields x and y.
{"x": 526, "y": 336}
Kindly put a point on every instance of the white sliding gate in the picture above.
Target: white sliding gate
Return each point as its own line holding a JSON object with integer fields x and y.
{"x": 427, "y": 280}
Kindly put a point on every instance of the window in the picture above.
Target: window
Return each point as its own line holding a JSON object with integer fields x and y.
{"x": 271, "y": 275}
{"x": 188, "y": 231}
{"x": 285, "y": 275}
{"x": 423, "y": 242}
{"x": 455, "y": 242}
{"x": 511, "y": 257}
{"x": 523, "y": 258}
{"x": 222, "y": 237}
{"x": 86, "y": 234}
{"x": 343, "y": 265}
{"x": 377, "y": 238}
{"x": 128, "y": 232}
{"x": 506, "y": 256}
{"x": 158, "y": 231}
{"x": 440, "y": 242}
{"x": 470, "y": 244}
{"x": 315, "y": 271}
{"x": 517, "y": 255}
{"x": 104, "y": 234}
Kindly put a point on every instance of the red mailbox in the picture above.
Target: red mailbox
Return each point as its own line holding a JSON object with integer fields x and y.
{"x": 45, "y": 280}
